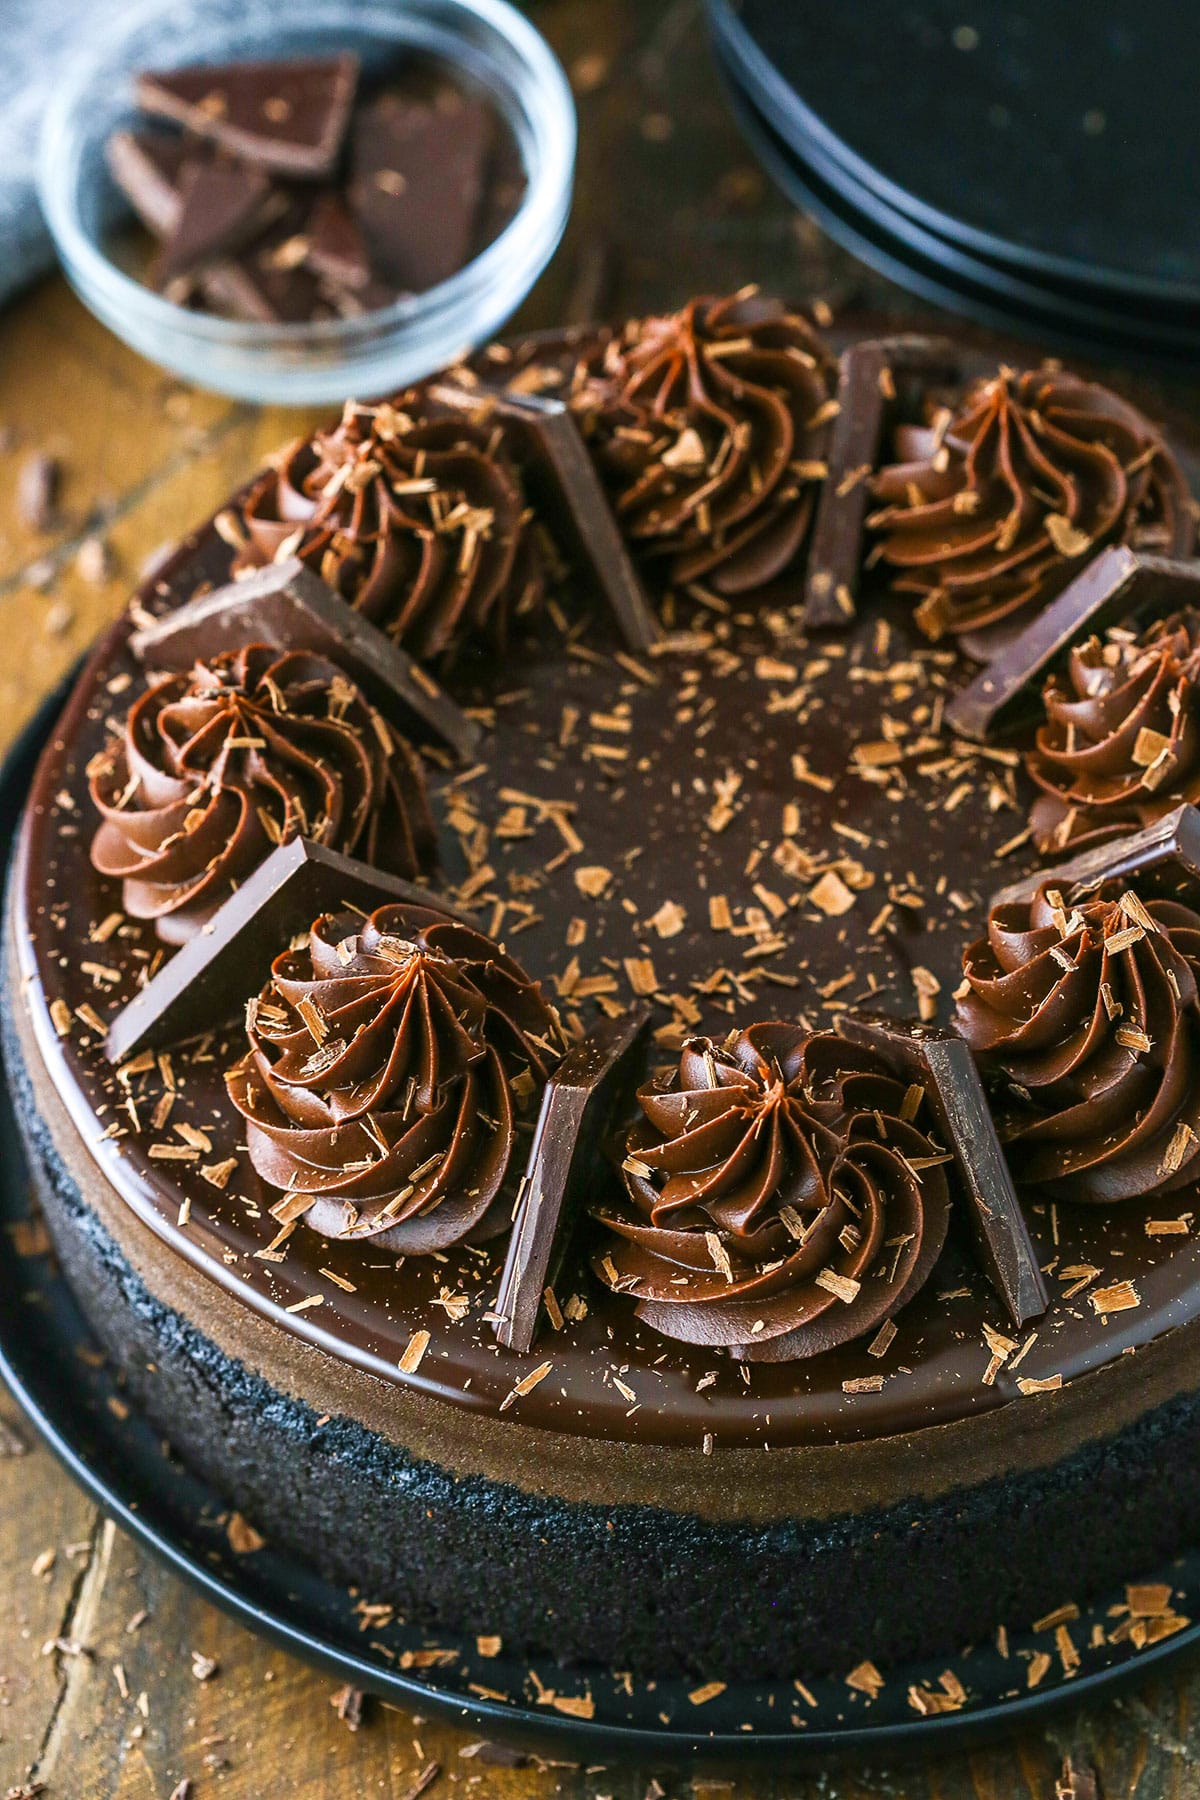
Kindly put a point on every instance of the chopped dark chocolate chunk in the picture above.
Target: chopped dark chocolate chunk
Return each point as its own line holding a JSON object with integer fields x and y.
{"x": 146, "y": 166}
{"x": 334, "y": 244}
{"x": 255, "y": 286}
{"x": 287, "y": 606}
{"x": 577, "y": 1100}
{"x": 942, "y": 1062}
{"x": 222, "y": 207}
{"x": 417, "y": 176}
{"x": 286, "y": 117}
{"x": 1116, "y": 586}
{"x": 206, "y": 981}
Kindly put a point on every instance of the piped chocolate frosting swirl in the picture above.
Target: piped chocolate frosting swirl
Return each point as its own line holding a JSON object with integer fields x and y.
{"x": 994, "y": 507}
{"x": 710, "y": 427}
{"x": 1120, "y": 745}
{"x": 1086, "y": 1019}
{"x": 782, "y": 1198}
{"x": 416, "y": 518}
{"x": 215, "y": 767}
{"x": 391, "y": 1063}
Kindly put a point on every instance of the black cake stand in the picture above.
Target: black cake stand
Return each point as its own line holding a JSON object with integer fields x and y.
{"x": 119, "y": 1459}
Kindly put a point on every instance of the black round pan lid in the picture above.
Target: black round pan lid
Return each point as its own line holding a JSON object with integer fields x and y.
{"x": 1059, "y": 140}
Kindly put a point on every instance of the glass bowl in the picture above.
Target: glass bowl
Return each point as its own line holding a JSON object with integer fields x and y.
{"x": 488, "y": 41}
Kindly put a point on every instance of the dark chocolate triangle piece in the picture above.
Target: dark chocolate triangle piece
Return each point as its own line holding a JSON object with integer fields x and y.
{"x": 417, "y": 176}
{"x": 942, "y": 1062}
{"x": 563, "y": 481}
{"x": 288, "y": 117}
{"x": 147, "y": 167}
{"x": 336, "y": 247}
{"x": 207, "y": 981}
{"x": 287, "y": 606}
{"x": 577, "y": 1099}
{"x": 1165, "y": 854}
{"x": 1118, "y": 584}
{"x": 867, "y": 375}
{"x": 222, "y": 207}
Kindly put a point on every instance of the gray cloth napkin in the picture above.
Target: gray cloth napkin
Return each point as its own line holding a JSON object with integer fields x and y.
{"x": 37, "y": 38}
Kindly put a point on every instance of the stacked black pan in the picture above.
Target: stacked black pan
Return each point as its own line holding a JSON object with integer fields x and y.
{"x": 1034, "y": 163}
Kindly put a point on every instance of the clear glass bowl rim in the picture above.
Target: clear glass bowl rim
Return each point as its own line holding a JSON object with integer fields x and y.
{"x": 549, "y": 108}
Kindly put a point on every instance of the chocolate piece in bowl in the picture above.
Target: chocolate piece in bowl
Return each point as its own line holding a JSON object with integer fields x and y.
{"x": 222, "y": 208}
{"x": 288, "y": 118}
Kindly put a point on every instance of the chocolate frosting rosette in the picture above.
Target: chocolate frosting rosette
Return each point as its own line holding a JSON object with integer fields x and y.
{"x": 710, "y": 426}
{"x": 389, "y": 1062}
{"x": 994, "y": 508}
{"x": 215, "y": 767}
{"x": 1085, "y": 1016}
{"x": 1121, "y": 742}
{"x": 416, "y": 518}
{"x": 782, "y": 1198}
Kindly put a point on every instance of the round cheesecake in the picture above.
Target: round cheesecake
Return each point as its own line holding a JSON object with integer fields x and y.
{"x": 753, "y": 822}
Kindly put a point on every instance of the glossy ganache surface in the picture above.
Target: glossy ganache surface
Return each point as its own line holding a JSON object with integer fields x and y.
{"x": 750, "y": 824}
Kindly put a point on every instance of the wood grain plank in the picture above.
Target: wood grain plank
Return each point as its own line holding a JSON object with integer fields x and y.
{"x": 41, "y": 1513}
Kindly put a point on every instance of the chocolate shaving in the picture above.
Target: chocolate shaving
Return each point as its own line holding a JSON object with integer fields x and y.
{"x": 1169, "y": 848}
{"x": 207, "y": 980}
{"x": 865, "y": 388}
{"x": 562, "y": 478}
{"x": 577, "y": 1097}
{"x": 943, "y": 1063}
{"x": 1117, "y": 585}
{"x": 287, "y": 606}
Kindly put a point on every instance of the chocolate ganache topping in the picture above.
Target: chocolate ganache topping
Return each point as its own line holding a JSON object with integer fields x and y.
{"x": 416, "y": 518}
{"x": 1086, "y": 1016}
{"x": 216, "y": 767}
{"x": 1121, "y": 742}
{"x": 782, "y": 1199}
{"x": 710, "y": 428}
{"x": 994, "y": 507}
{"x": 389, "y": 1060}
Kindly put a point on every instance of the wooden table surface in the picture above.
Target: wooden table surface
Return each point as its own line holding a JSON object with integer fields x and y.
{"x": 97, "y": 1693}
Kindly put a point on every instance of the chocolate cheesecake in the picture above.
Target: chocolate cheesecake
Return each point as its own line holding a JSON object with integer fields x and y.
{"x": 661, "y": 1209}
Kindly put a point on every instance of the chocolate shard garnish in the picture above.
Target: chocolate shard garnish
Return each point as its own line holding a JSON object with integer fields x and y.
{"x": 866, "y": 387}
{"x": 288, "y": 117}
{"x": 287, "y": 606}
{"x": 942, "y": 1062}
{"x": 336, "y": 247}
{"x": 207, "y": 980}
{"x": 1117, "y": 585}
{"x": 577, "y": 1100}
{"x": 1167, "y": 852}
{"x": 562, "y": 478}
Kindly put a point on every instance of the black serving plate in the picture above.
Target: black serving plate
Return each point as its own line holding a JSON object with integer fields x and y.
{"x": 50, "y": 1365}
{"x": 948, "y": 275}
{"x": 1064, "y": 303}
{"x": 1063, "y": 144}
